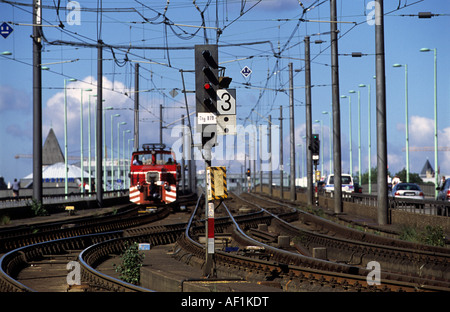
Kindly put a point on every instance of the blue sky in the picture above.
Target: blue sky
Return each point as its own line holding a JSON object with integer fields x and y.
{"x": 248, "y": 27}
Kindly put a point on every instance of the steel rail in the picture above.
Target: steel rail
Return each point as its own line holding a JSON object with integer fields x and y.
{"x": 95, "y": 225}
{"x": 15, "y": 260}
{"x": 298, "y": 267}
{"x": 93, "y": 248}
{"x": 91, "y": 255}
{"x": 12, "y": 262}
{"x": 394, "y": 255}
{"x": 121, "y": 211}
{"x": 281, "y": 264}
{"x": 354, "y": 234}
{"x": 358, "y": 274}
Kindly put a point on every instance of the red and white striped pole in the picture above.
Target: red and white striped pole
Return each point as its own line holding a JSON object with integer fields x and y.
{"x": 208, "y": 270}
{"x": 210, "y": 228}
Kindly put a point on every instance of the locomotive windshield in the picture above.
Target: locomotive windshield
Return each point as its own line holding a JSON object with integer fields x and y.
{"x": 153, "y": 159}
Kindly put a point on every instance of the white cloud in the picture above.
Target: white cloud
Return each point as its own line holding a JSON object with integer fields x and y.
{"x": 396, "y": 162}
{"x": 421, "y": 134}
{"x": 444, "y": 157}
{"x": 113, "y": 95}
{"x": 421, "y": 131}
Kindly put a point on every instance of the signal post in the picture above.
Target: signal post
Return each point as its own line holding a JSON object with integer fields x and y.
{"x": 216, "y": 115}
{"x": 315, "y": 151}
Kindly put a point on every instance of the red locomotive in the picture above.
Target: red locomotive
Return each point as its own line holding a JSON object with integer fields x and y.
{"x": 154, "y": 175}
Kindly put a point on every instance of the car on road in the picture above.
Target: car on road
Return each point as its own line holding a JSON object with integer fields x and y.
{"x": 346, "y": 180}
{"x": 444, "y": 195}
{"x": 402, "y": 191}
{"x": 407, "y": 190}
{"x": 444, "y": 191}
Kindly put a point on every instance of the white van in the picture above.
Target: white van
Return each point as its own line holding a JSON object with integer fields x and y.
{"x": 347, "y": 183}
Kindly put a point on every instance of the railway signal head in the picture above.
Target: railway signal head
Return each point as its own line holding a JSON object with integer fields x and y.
{"x": 315, "y": 146}
{"x": 206, "y": 78}
{"x": 206, "y": 85}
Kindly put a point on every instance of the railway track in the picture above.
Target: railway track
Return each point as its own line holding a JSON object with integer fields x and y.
{"x": 21, "y": 267}
{"x": 286, "y": 268}
{"x": 123, "y": 216}
{"x": 34, "y": 258}
{"x": 20, "y": 236}
{"x": 346, "y": 245}
{"x": 295, "y": 271}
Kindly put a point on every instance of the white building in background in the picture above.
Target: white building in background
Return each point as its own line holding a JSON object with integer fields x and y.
{"x": 53, "y": 170}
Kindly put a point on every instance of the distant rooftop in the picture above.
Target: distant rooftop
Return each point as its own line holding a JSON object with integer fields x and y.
{"x": 427, "y": 170}
{"x": 51, "y": 152}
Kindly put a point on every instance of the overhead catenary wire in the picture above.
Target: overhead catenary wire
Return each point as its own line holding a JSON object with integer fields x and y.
{"x": 121, "y": 54}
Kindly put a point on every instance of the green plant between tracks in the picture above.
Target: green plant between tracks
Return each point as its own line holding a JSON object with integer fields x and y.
{"x": 431, "y": 235}
{"x": 130, "y": 268}
{"x": 38, "y": 208}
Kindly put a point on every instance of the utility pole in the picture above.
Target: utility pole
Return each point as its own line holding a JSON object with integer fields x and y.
{"x": 260, "y": 135}
{"x": 99, "y": 156}
{"x": 281, "y": 152}
{"x": 136, "y": 107}
{"x": 382, "y": 193}
{"x": 309, "y": 172}
{"x": 292, "y": 136}
{"x": 191, "y": 163}
{"x": 255, "y": 137}
{"x": 183, "y": 162}
{"x": 160, "y": 124}
{"x": 270, "y": 153}
{"x": 336, "y": 110}
{"x": 37, "y": 102}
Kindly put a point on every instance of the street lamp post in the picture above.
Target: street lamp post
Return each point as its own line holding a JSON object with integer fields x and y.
{"x": 123, "y": 158}
{"x": 359, "y": 134}
{"x": 81, "y": 140}
{"x": 369, "y": 137}
{"x": 112, "y": 152}
{"x": 104, "y": 146}
{"x": 129, "y": 156}
{"x": 66, "y": 169}
{"x": 350, "y": 129}
{"x": 89, "y": 146}
{"x": 118, "y": 149}
{"x": 435, "y": 116}
{"x": 406, "y": 117}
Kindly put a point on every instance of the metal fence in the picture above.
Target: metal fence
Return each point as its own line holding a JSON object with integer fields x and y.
{"x": 420, "y": 206}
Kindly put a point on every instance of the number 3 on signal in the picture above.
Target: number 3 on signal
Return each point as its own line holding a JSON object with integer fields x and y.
{"x": 226, "y": 97}
{"x": 226, "y": 104}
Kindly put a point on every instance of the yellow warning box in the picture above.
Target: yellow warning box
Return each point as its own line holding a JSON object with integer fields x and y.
{"x": 318, "y": 175}
{"x": 70, "y": 209}
{"x": 216, "y": 180}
